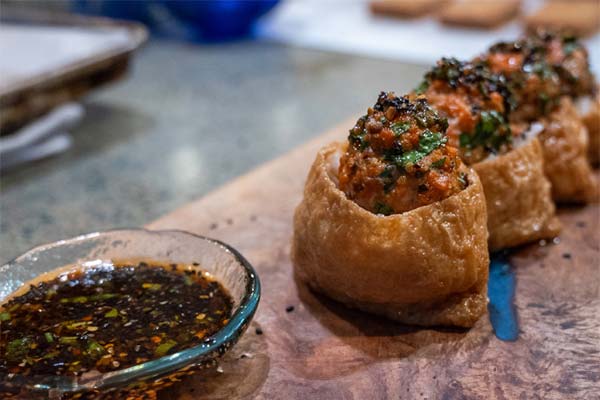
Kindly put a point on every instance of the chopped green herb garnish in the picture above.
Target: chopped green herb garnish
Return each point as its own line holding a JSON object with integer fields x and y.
{"x": 542, "y": 69}
{"x": 358, "y": 140}
{"x": 102, "y": 296}
{"x": 428, "y": 142}
{"x": 112, "y": 313}
{"x": 76, "y": 325}
{"x": 78, "y": 299}
{"x": 164, "y": 348}
{"x": 447, "y": 69}
{"x": 49, "y": 337}
{"x": 4, "y": 316}
{"x": 399, "y": 128}
{"x": 68, "y": 340}
{"x": 95, "y": 350}
{"x": 464, "y": 140}
{"x": 14, "y": 308}
{"x": 17, "y": 349}
{"x": 439, "y": 163}
{"x": 51, "y": 354}
{"x": 491, "y": 132}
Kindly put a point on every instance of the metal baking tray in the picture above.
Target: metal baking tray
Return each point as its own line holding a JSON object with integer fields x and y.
{"x": 49, "y": 59}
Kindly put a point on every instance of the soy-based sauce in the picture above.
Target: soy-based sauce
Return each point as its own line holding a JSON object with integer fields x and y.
{"x": 109, "y": 317}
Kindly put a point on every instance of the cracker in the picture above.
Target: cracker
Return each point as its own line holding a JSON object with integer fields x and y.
{"x": 581, "y": 18}
{"x": 480, "y": 13}
{"x": 404, "y": 8}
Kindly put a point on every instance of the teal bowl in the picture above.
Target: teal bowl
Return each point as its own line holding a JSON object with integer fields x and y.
{"x": 141, "y": 381}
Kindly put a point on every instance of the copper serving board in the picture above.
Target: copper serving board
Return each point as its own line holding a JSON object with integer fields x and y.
{"x": 322, "y": 350}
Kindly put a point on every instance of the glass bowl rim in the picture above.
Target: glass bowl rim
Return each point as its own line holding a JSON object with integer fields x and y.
{"x": 169, "y": 363}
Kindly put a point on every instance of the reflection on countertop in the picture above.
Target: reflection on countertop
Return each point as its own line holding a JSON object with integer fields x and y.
{"x": 186, "y": 120}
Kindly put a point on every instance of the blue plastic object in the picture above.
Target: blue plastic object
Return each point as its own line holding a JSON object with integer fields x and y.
{"x": 203, "y": 20}
{"x": 220, "y": 20}
{"x": 127, "y": 10}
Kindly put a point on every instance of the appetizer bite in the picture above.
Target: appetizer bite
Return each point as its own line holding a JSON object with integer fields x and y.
{"x": 571, "y": 61}
{"x": 477, "y": 104}
{"x": 544, "y": 73}
{"x": 392, "y": 222}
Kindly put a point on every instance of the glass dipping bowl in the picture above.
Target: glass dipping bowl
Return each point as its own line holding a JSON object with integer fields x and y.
{"x": 141, "y": 381}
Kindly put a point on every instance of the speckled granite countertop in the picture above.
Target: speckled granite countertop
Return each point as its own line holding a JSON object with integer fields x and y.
{"x": 187, "y": 119}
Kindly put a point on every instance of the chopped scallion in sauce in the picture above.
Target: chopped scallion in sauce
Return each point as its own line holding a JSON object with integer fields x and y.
{"x": 109, "y": 317}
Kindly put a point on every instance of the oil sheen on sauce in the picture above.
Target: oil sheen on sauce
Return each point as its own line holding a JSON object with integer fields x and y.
{"x": 109, "y": 317}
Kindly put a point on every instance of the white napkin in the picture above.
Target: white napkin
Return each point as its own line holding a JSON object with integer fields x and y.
{"x": 44, "y": 137}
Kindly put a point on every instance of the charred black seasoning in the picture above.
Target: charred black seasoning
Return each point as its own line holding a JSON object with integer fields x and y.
{"x": 108, "y": 318}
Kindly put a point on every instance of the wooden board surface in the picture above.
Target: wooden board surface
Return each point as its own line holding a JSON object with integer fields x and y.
{"x": 321, "y": 350}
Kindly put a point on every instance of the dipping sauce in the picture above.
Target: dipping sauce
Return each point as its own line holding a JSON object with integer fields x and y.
{"x": 109, "y": 317}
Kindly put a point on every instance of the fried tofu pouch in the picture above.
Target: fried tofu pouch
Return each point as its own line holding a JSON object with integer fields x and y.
{"x": 519, "y": 206}
{"x": 477, "y": 106}
{"x": 547, "y": 72}
{"x": 565, "y": 147}
{"x": 588, "y": 108}
{"x": 427, "y": 266}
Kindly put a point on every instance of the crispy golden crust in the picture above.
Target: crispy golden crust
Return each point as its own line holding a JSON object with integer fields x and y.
{"x": 427, "y": 266}
{"x": 565, "y": 147}
{"x": 519, "y": 202}
{"x": 404, "y": 8}
{"x": 591, "y": 119}
{"x": 580, "y": 19}
{"x": 480, "y": 14}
